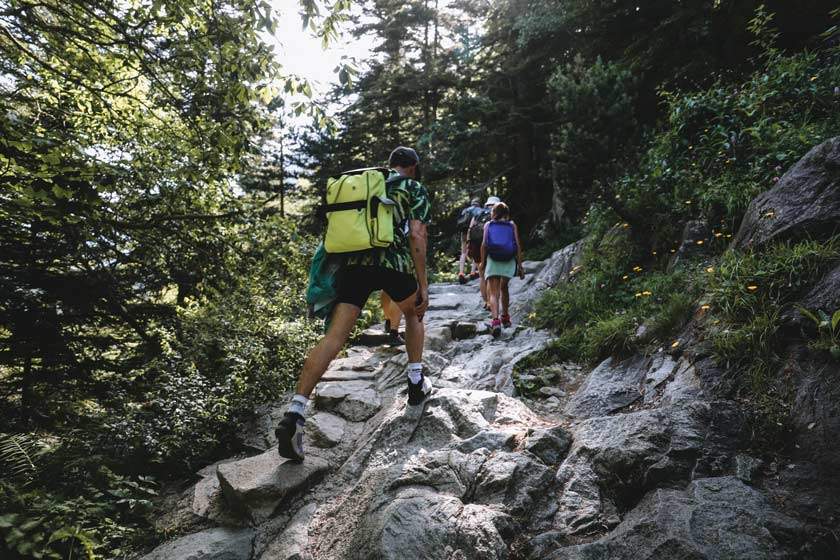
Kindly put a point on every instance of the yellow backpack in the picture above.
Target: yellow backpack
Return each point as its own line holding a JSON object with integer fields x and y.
{"x": 360, "y": 216}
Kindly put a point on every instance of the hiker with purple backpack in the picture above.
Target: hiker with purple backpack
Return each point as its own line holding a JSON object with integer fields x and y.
{"x": 501, "y": 260}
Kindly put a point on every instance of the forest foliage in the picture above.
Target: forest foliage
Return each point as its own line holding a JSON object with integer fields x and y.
{"x": 152, "y": 265}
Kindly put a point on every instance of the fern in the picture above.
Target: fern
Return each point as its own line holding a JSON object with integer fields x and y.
{"x": 19, "y": 456}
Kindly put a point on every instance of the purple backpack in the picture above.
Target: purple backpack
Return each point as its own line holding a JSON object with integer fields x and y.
{"x": 500, "y": 240}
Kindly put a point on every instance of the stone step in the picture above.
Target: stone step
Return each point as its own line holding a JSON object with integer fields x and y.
{"x": 213, "y": 544}
{"x": 257, "y": 485}
{"x": 356, "y": 401}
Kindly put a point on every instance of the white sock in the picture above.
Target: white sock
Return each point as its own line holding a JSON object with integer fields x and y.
{"x": 415, "y": 372}
{"x": 299, "y": 404}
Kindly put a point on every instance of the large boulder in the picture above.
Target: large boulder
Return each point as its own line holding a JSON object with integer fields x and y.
{"x": 512, "y": 481}
{"x": 557, "y": 269}
{"x": 212, "y": 544}
{"x": 615, "y": 459}
{"x": 712, "y": 519}
{"x": 825, "y": 295}
{"x": 421, "y": 524}
{"x": 816, "y": 410}
{"x": 804, "y": 203}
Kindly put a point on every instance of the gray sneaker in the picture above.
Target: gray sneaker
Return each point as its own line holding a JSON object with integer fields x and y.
{"x": 289, "y": 435}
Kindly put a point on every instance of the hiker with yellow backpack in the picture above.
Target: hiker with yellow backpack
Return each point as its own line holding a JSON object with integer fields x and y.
{"x": 377, "y": 229}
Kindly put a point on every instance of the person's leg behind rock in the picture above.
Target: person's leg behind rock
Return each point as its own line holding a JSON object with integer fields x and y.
{"x": 393, "y": 318}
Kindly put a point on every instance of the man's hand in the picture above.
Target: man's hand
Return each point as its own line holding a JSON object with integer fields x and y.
{"x": 421, "y": 304}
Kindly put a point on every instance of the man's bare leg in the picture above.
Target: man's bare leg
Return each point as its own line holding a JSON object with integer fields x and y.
{"x": 289, "y": 432}
{"x": 419, "y": 386}
{"x": 319, "y": 358}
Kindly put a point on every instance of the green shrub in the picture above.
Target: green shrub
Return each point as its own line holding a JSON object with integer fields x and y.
{"x": 722, "y": 146}
{"x": 747, "y": 293}
{"x": 613, "y": 291}
{"x": 609, "y": 336}
{"x": 828, "y": 331}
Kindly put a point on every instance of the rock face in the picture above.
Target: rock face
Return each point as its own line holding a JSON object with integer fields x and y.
{"x": 711, "y": 518}
{"x": 804, "y": 203}
{"x": 609, "y": 387}
{"x": 824, "y": 295}
{"x": 634, "y": 459}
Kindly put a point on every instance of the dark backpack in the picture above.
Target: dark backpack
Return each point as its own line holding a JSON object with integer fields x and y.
{"x": 477, "y": 231}
{"x": 501, "y": 241}
{"x": 465, "y": 218}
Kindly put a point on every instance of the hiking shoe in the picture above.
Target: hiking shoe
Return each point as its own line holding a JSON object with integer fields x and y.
{"x": 387, "y": 325}
{"x": 418, "y": 392}
{"x": 289, "y": 435}
{"x": 461, "y": 278}
{"x": 395, "y": 338}
{"x": 506, "y": 321}
{"x": 496, "y": 328}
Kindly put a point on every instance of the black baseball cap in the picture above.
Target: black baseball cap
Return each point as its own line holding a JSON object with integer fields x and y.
{"x": 402, "y": 154}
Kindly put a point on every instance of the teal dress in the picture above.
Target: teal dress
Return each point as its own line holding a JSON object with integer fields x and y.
{"x": 500, "y": 268}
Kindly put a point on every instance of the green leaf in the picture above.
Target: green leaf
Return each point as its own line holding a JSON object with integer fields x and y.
{"x": 835, "y": 320}
{"x": 809, "y": 315}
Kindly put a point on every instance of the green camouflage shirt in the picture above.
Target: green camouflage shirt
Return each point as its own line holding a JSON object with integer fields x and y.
{"x": 413, "y": 202}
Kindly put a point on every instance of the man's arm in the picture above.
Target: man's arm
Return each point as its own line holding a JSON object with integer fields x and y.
{"x": 417, "y": 241}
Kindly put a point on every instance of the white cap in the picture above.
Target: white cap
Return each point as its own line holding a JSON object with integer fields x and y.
{"x": 492, "y": 201}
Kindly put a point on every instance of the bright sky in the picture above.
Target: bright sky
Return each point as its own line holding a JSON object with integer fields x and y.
{"x": 301, "y": 53}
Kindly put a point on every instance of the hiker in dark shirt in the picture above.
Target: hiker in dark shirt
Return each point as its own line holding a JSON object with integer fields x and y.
{"x": 465, "y": 219}
{"x": 476, "y": 238}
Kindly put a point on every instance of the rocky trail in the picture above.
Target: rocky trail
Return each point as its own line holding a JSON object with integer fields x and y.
{"x": 635, "y": 459}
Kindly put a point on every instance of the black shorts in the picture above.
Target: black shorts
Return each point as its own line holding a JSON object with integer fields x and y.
{"x": 474, "y": 250}
{"x": 356, "y": 283}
